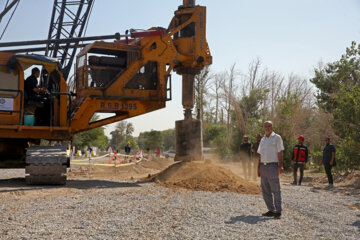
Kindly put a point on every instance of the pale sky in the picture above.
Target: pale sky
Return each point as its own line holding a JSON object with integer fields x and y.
{"x": 290, "y": 36}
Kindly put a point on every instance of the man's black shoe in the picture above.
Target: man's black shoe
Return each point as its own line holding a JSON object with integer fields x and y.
{"x": 277, "y": 215}
{"x": 268, "y": 214}
{"x": 293, "y": 183}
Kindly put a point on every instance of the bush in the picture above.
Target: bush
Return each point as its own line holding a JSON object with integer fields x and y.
{"x": 316, "y": 157}
{"x": 347, "y": 155}
{"x": 221, "y": 145}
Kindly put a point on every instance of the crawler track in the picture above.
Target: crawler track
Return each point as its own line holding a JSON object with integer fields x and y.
{"x": 46, "y": 165}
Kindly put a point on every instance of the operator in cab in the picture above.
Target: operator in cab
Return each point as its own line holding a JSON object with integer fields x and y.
{"x": 34, "y": 102}
{"x": 31, "y": 87}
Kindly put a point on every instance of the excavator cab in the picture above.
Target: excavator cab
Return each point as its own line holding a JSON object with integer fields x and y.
{"x": 48, "y": 109}
{"x": 43, "y": 164}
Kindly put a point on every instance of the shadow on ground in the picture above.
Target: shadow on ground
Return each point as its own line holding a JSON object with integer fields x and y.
{"x": 357, "y": 224}
{"x": 18, "y": 184}
{"x": 247, "y": 219}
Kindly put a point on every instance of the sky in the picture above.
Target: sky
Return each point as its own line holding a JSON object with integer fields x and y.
{"x": 289, "y": 36}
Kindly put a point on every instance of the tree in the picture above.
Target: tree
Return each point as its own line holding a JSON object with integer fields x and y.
{"x": 129, "y": 129}
{"x": 229, "y": 96}
{"x": 149, "y": 140}
{"x": 133, "y": 143}
{"x": 94, "y": 137}
{"x": 339, "y": 95}
{"x": 202, "y": 81}
{"x": 215, "y": 136}
{"x": 123, "y": 130}
{"x": 217, "y": 83}
{"x": 169, "y": 139}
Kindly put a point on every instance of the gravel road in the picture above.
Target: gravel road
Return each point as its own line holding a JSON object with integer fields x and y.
{"x": 114, "y": 209}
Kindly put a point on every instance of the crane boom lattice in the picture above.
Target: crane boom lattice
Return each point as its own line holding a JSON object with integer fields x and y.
{"x": 68, "y": 20}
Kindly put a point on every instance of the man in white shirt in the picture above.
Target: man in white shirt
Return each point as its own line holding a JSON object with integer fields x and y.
{"x": 270, "y": 166}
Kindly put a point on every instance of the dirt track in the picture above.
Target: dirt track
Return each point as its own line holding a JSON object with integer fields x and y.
{"x": 98, "y": 204}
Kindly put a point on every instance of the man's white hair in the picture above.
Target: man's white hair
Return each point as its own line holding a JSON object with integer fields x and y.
{"x": 270, "y": 122}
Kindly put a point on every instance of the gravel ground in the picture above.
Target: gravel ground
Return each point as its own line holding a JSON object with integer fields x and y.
{"x": 114, "y": 209}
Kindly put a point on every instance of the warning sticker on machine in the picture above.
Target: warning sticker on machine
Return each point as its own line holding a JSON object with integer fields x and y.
{"x": 6, "y": 104}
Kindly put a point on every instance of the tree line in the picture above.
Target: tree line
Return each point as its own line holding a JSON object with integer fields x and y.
{"x": 234, "y": 103}
{"x": 122, "y": 135}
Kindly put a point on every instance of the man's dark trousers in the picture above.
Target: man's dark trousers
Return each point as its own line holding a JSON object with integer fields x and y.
{"x": 270, "y": 186}
{"x": 328, "y": 168}
{"x": 296, "y": 166}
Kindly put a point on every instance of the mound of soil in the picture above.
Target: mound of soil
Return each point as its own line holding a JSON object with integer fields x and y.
{"x": 352, "y": 180}
{"x": 157, "y": 163}
{"x": 204, "y": 177}
{"x": 152, "y": 166}
{"x": 107, "y": 172}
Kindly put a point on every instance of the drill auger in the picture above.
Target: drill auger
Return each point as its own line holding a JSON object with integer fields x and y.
{"x": 189, "y": 145}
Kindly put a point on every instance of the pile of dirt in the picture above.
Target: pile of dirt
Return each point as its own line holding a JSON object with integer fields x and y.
{"x": 157, "y": 163}
{"x": 204, "y": 177}
{"x": 151, "y": 166}
{"x": 125, "y": 172}
{"x": 352, "y": 180}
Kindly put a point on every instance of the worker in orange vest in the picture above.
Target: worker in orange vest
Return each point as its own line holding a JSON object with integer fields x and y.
{"x": 299, "y": 159}
{"x": 158, "y": 151}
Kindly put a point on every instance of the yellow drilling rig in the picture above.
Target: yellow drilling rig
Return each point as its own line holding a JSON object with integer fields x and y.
{"x": 126, "y": 78}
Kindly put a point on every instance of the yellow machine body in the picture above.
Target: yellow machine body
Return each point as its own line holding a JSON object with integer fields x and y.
{"x": 126, "y": 78}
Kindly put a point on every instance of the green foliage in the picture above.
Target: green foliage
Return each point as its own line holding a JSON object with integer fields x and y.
{"x": 339, "y": 94}
{"x": 169, "y": 139}
{"x": 249, "y": 122}
{"x": 316, "y": 157}
{"x": 123, "y": 130}
{"x": 287, "y": 154}
{"x": 220, "y": 143}
{"x": 333, "y": 76}
{"x": 250, "y": 104}
{"x": 91, "y": 138}
{"x": 285, "y": 125}
{"x": 236, "y": 139}
{"x": 346, "y": 117}
{"x": 215, "y": 137}
{"x": 347, "y": 155}
{"x": 253, "y": 127}
{"x": 286, "y": 110}
{"x": 94, "y": 138}
{"x": 133, "y": 144}
{"x": 150, "y": 140}
{"x": 212, "y": 131}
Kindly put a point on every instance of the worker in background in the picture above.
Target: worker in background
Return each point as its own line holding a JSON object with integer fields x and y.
{"x": 158, "y": 151}
{"x": 271, "y": 166}
{"x": 127, "y": 150}
{"x": 255, "y": 156}
{"x": 245, "y": 156}
{"x": 299, "y": 159}
{"x": 89, "y": 151}
{"x": 328, "y": 159}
